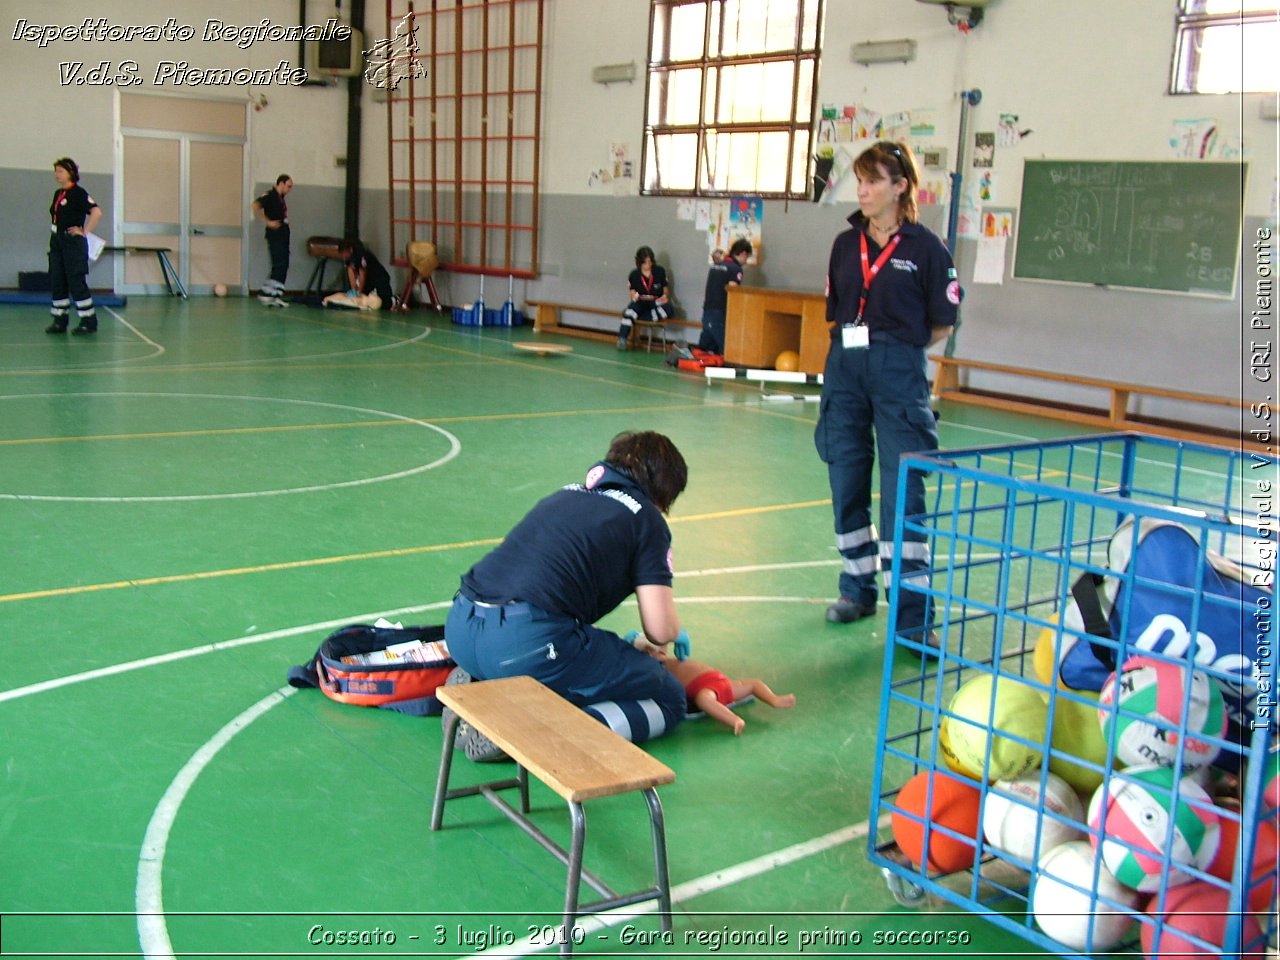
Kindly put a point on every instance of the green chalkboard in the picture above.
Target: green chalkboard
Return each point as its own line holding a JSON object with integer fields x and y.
{"x": 1154, "y": 226}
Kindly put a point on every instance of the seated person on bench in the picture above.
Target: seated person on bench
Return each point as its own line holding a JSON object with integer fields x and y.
{"x": 529, "y": 607}
{"x": 649, "y": 293}
{"x": 368, "y": 280}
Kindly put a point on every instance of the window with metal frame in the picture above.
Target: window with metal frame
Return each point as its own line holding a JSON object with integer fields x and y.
{"x": 1226, "y": 46}
{"x": 730, "y": 102}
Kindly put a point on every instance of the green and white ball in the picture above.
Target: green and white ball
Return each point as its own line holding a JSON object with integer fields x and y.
{"x": 1130, "y": 821}
{"x": 1151, "y": 704}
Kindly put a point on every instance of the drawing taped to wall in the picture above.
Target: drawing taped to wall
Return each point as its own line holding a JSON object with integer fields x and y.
{"x": 984, "y": 149}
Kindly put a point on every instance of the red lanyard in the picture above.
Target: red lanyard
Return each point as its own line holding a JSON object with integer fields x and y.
{"x": 869, "y": 272}
{"x": 647, "y": 281}
{"x": 57, "y": 202}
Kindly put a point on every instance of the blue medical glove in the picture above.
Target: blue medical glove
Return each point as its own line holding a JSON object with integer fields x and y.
{"x": 630, "y": 638}
{"x": 353, "y": 293}
{"x": 681, "y": 644}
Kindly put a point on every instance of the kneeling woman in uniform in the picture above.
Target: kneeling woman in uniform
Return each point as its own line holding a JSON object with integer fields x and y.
{"x": 529, "y": 607}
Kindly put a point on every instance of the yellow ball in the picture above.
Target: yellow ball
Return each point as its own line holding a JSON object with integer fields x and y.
{"x": 948, "y": 754}
{"x": 1018, "y": 711}
{"x": 788, "y": 361}
{"x": 1076, "y": 732}
{"x": 1044, "y": 660}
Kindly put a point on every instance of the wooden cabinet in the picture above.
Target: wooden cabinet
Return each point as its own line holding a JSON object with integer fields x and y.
{"x": 761, "y": 323}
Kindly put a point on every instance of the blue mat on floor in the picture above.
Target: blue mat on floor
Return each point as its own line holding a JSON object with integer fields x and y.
{"x": 99, "y": 299}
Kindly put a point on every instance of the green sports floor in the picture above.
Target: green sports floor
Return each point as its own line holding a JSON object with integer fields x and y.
{"x": 191, "y": 500}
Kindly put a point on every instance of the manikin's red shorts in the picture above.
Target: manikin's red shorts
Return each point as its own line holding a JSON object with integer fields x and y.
{"x": 713, "y": 680}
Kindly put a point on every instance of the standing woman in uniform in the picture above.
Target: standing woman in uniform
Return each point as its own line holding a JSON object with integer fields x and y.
{"x": 274, "y": 212}
{"x": 891, "y": 294}
{"x": 72, "y": 214}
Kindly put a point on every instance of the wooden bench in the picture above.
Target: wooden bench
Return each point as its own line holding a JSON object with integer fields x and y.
{"x": 576, "y": 756}
{"x": 171, "y": 279}
{"x": 547, "y": 320}
{"x": 1116, "y": 395}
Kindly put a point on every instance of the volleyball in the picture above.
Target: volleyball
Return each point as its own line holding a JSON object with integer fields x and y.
{"x": 1199, "y": 909}
{"x": 219, "y": 289}
{"x": 1130, "y": 818}
{"x": 1271, "y": 781}
{"x": 1151, "y": 694}
{"x": 1020, "y": 820}
{"x": 953, "y": 805}
{"x": 1065, "y": 912}
{"x": 1006, "y": 707}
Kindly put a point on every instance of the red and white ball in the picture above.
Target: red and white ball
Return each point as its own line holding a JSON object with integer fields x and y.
{"x": 1141, "y": 709}
{"x": 1146, "y": 827}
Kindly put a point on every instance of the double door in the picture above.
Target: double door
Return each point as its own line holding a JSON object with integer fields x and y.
{"x": 181, "y": 183}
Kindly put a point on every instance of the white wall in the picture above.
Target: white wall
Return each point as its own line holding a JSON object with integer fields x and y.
{"x": 1087, "y": 78}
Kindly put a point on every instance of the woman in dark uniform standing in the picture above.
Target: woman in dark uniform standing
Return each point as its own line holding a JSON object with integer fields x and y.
{"x": 891, "y": 293}
{"x": 72, "y": 214}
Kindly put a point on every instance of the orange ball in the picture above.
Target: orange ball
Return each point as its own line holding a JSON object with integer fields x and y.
{"x": 1265, "y": 852}
{"x": 788, "y": 361}
{"x": 1198, "y": 909}
{"x": 954, "y": 805}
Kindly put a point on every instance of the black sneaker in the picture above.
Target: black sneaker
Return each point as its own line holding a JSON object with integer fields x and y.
{"x": 56, "y": 328}
{"x": 847, "y": 610}
{"x": 477, "y": 747}
{"x": 84, "y": 328}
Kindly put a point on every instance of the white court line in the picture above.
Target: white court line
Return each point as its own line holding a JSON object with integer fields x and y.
{"x": 44, "y": 686}
{"x": 455, "y": 447}
{"x": 153, "y": 931}
{"x": 17, "y": 693}
{"x": 704, "y": 884}
{"x": 140, "y": 335}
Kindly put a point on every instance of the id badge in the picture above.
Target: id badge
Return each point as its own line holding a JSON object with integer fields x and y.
{"x": 854, "y": 337}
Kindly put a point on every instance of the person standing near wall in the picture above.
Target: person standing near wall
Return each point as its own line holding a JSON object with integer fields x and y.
{"x": 72, "y": 215}
{"x": 272, "y": 210}
{"x": 724, "y": 273}
{"x": 891, "y": 293}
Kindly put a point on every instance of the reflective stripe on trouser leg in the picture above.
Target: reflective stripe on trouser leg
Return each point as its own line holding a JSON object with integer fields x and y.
{"x": 84, "y": 310}
{"x": 634, "y": 720}
{"x": 60, "y": 308}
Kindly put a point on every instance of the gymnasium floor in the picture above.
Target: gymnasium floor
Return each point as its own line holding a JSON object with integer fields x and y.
{"x": 193, "y": 499}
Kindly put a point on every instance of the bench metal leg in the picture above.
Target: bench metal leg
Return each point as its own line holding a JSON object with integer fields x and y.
{"x": 167, "y": 270}
{"x": 576, "y": 846}
{"x": 450, "y": 727}
{"x": 662, "y": 877}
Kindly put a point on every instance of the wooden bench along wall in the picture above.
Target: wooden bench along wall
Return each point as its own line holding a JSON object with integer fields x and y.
{"x": 576, "y": 756}
{"x": 1115, "y": 414}
{"x": 547, "y": 314}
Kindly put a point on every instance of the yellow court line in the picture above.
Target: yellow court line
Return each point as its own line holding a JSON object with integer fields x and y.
{"x": 354, "y": 557}
{"x": 239, "y": 571}
{"x": 229, "y": 431}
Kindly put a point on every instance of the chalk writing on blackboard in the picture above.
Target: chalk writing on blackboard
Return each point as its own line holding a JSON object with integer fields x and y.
{"x": 1158, "y": 226}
